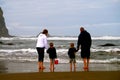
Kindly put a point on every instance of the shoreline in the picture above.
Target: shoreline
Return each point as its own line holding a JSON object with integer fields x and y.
{"x": 29, "y": 71}
{"x": 26, "y": 67}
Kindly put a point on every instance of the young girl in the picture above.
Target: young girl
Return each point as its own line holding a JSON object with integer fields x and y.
{"x": 71, "y": 53}
{"x": 52, "y": 55}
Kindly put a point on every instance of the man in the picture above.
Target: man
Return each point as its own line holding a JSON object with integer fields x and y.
{"x": 84, "y": 39}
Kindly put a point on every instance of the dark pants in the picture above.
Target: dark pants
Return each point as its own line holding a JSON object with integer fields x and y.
{"x": 40, "y": 54}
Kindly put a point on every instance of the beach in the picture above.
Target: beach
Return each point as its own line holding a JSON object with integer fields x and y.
{"x": 94, "y": 75}
{"x": 19, "y": 61}
{"x": 29, "y": 71}
{"x": 25, "y": 67}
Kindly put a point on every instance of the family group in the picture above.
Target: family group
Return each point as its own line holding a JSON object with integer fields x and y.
{"x": 84, "y": 42}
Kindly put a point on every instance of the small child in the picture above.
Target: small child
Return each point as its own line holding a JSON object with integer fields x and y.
{"x": 71, "y": 53}
{"x": 52, "y": 55}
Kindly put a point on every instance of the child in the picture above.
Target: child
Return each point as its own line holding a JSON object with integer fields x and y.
{"x": 71, "y": 53}
{"x": 52, "y": 55}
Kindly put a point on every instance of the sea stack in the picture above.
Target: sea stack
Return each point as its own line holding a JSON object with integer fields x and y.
{"x": 3, "y": 29}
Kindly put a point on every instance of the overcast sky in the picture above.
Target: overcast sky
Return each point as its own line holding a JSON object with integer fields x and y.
{"x": 62, "y": 17}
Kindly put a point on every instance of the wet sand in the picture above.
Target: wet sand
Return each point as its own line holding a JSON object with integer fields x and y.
{"x": 23, "y": 67}
{"x": 30, "y": 71}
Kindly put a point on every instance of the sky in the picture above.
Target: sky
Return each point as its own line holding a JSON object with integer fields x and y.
{"x": 62, "y": 17}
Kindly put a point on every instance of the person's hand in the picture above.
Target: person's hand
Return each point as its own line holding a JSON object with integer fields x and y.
{"x": 77, "y": 50}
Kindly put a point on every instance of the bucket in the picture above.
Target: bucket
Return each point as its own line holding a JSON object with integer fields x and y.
{"x": 56, "y": 61}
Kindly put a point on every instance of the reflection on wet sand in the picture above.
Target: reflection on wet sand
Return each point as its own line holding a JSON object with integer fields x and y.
{"x": 3, "y": 68}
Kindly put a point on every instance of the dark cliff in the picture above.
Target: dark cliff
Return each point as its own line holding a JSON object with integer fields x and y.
{"x": 3, "y": 29}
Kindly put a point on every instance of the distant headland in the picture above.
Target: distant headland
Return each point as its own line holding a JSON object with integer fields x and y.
{"x": 3, "y": 30}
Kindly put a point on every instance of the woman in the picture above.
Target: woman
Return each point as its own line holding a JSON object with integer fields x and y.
{"x": 41, "y": 46}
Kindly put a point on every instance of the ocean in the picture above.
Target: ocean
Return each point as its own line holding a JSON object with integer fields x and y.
{"x": 23, "y": 49}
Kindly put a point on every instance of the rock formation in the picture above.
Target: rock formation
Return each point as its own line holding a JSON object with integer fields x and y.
{"x": 3, "y": 29}
{"x": 108, "y": 44}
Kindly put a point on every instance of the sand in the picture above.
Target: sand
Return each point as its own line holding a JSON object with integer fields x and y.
{"x": 29, "y": 71}
{"x": 83, "y": 75}
{"x": 21, "y": 67}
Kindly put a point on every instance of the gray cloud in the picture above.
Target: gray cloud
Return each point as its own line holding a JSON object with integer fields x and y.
{"x": 59, "y": 15}
{"x": 2, "y": 2}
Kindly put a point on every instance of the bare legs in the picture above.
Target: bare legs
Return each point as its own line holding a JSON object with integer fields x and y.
{"x": 74, "y": 64}
{"x": 86, "y": 63}
{"x": 52, "y": 65}
{"x": 40, "y": 65}
{"x": 40, "y": 58}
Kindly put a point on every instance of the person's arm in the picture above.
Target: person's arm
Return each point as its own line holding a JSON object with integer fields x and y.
{"x": 68, "y": 52}
{"x": 90, "y": 40}
{"x": 75, "y": 50}
{"x": 45, "y": 42}
{"x": 48, "y": 50}
{"x": 55, "y": 53}
{"x": 78, "y": 42}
